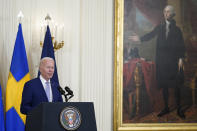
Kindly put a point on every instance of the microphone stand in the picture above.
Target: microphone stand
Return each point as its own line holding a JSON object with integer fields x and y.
{"x": 68, "y": 98}
{"x": 69, "y": 92}
{"x": 65, "y": 96}
{"x": 62, "y": 92}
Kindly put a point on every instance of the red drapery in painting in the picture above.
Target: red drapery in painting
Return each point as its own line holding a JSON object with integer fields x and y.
{"x": 148, "y": 70}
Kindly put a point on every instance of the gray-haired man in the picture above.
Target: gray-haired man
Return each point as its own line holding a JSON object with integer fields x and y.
{"x": 170, "y": 51}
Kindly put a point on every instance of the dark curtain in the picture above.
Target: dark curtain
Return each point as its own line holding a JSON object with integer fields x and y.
{"x": 151, "y": 9}
{"x": 129, "y": 12}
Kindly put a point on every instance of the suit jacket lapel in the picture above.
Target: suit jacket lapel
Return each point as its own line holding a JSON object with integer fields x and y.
{"x": 42, "y": 90}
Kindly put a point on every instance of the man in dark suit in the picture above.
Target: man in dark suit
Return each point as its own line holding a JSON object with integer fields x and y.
{"x": 42, "y": 88}
{"x": 170, "y": 52}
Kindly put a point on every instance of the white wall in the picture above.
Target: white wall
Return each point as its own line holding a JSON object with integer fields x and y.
{"x": 85, "y": 63}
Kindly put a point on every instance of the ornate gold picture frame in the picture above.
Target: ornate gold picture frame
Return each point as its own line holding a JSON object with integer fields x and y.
{"x": 190, "y": 39}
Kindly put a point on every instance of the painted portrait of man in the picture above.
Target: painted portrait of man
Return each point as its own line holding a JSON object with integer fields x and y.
{"x": 159, "y": 61}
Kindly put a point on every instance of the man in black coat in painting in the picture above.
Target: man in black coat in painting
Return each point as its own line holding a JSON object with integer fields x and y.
{"x": 170, "y": 52}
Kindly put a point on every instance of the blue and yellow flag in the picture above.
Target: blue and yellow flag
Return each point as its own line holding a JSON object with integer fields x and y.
{"x": 19, "y": 74}
{"x": 2, "y": 124}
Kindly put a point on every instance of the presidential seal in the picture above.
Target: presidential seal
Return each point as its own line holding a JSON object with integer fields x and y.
{"x": 70, "y": 118}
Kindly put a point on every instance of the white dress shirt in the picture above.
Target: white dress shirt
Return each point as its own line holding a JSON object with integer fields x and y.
{"x": 167, "y": 28}
{"x": 44, "y": 85}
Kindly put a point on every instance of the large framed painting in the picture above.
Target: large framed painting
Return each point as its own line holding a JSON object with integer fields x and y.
{"x": 155, "y": 65}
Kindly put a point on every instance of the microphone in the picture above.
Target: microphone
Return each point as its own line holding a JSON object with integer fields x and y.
{"x": 61, "y": 90}
{"x": 70, "y": 92}
{"x": 67, "y": 93}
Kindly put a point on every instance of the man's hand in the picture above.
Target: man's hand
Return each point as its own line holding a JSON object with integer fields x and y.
{"x": 180, "y": 64}
{"x": 134, "y": 38}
